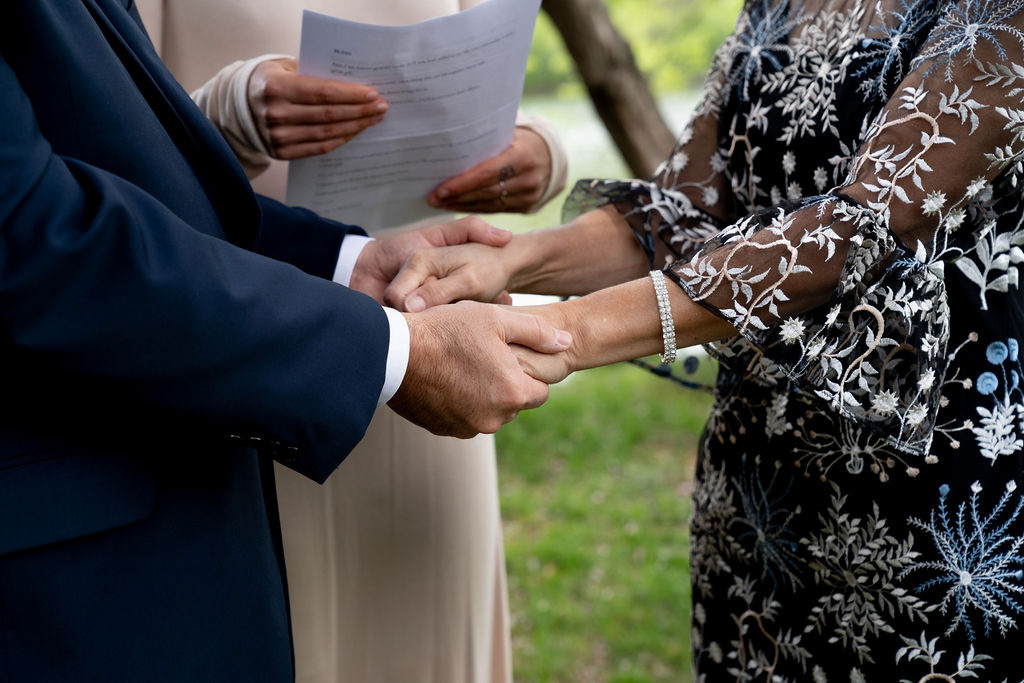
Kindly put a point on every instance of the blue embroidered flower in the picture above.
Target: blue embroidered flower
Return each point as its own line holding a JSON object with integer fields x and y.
{"x": 987, "y": 383}
{"x": 767, "y": 522}
{"x": 966, "y": 25}
{"x": 998, "y": 430}
{"x": 978, "y": 563}
{"x": 997, "y": 353}
{"x": 884, "y": 52}
{"x": 691, "y": 364}
{"x": 762, "y": 43}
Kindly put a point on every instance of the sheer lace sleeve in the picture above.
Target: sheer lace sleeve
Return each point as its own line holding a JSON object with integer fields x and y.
{"x": 844, "y": 293}
{"x": 687, "y": 202}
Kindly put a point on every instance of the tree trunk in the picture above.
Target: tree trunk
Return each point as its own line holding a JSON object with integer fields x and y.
{"x": 617, "y": 88}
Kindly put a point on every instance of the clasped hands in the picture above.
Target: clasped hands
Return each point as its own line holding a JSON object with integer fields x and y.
{"x": 472, "y": 366}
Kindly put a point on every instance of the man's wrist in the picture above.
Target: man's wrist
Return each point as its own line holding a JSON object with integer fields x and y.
{"x": 398, "y": 355}
{"x": 398, "y": 329}
{"x": 351, "y": 247}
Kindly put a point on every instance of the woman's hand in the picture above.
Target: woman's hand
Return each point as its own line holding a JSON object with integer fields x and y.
{"x": 512, "y": 181}
{"x": 463, "y": 377}
{"x": 593, "y": 251}
{"x": 431, "y": 277}
{"x": 380, "y": 260}
{"x": 300, "y": 116}
{"x": 549, "y": 368}
{"x": 616, "y": 324}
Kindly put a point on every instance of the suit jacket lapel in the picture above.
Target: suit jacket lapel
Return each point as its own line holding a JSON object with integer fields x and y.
{"x": 212, "y": 160}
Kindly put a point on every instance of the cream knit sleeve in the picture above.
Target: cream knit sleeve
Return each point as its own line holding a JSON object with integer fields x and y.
{"x": 559, "y": 160}
{"x": 225, "y": 101}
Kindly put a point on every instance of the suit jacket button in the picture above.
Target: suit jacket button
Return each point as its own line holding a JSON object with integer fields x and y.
{"x": 288, "y": 454}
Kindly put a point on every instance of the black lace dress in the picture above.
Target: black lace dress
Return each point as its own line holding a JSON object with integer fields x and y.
{"x": 849, "y": 196}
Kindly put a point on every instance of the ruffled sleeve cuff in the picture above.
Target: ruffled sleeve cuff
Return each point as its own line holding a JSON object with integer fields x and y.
{"x": 874, "y": 351}
{"x": 665, "y": 222}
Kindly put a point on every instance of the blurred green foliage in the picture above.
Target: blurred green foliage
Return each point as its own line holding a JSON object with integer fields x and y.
{"x": 596, "y": 484}
{"x": 673, "y": 41}
{"x": 595, "y": 497}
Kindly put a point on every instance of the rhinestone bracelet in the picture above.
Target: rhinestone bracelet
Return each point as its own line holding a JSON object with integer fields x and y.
{"x": 668, "y": 327}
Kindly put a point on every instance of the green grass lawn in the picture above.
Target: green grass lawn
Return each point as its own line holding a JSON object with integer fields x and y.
{"x": 595, "y": 494}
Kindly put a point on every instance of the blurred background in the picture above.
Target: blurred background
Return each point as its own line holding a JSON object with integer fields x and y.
{"x": 595, "y": 485}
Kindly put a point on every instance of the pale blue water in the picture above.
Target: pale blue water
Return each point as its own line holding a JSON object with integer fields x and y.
{"x": 590, "y": 149}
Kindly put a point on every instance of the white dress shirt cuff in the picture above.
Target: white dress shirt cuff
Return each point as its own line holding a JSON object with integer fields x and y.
{"x": 398, "y": 355}
{"x": 351, "y": 247}
{"x": 398, "y": 347}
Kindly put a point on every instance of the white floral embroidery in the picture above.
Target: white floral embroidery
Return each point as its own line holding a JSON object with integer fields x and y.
{"x": 789, "y": 162}
{"x": 975, "y": 187}
{"x": 933, "y": 202}
{"x": 858, "y": 560}
{"x": 916, "y": 414}
{"x": 884, "y": 403}
{"x": 969, "y": 664}
{"x": 820, "y": 179}
{"x": 792, "y": 330}
{"x": 679, "y": 161}
{"x": 954, "y": 220}
{"x": 851, "y": 309}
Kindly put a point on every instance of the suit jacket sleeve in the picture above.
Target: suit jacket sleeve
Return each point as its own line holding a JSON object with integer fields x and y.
{"x": 125, "y": 307}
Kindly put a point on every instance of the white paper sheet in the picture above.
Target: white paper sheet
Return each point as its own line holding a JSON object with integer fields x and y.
{"x": 453, "y": 86}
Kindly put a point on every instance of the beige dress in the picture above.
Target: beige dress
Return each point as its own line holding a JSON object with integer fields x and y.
{"x": 395, "y": 566}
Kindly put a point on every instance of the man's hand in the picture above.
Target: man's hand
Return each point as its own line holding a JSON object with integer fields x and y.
{"x": 300, "y": 116}
{"x": 462, "y": 377}
{"x": 381, "y": 259}
{"x": 512, "y": 181}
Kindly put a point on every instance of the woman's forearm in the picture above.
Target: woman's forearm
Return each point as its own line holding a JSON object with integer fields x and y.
{"x": 622, "y": 323}
{"x": 593, "y": 251}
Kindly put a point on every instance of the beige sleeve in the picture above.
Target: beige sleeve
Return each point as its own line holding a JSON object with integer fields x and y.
{"x": 225, "y": 101}
{"x": 152, "y": 13}
{"x": 223, "y": 98}
{"x": 559, "y": 160}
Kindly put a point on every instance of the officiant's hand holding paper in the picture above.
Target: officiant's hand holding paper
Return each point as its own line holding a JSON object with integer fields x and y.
{"x": 300, "y": 116}
{"x": 452, "y": 84}
{"x": 512, "y": 181}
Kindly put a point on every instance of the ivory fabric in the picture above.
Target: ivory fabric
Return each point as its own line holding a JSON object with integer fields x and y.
{"x": 395, "y": 566}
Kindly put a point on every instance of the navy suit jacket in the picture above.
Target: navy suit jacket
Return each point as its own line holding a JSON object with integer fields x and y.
{"x": 164, "y": 333}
